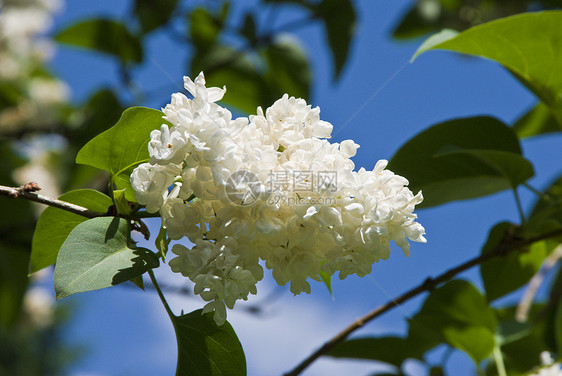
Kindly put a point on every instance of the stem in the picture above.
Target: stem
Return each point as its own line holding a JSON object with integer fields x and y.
{"x": 22, "y": 192}
{"x": 519, "y": 207}
{"x": 540, "y": 194}
{"x": 498, "y": 357}
{"x": 161, "y": 295}
{"x": 501, "y": 249}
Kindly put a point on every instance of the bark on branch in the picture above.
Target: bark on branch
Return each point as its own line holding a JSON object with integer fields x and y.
{"x": 28, "y": 192}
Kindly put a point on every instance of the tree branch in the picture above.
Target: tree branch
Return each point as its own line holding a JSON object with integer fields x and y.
{"x": 501, "y": 249}
{"x": 28, "y": 190}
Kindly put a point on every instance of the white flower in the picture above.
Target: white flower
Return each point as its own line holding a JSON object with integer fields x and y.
{"x": 151, "y": 183}
{"x": 243, "y": 211}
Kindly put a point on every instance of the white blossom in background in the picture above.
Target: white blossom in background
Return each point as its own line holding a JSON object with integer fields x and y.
{"x": 38, "y": 304}
{"x": 227, "y": 199}
{"x": 23, "y": 52}
{"x": 550, "y": 367}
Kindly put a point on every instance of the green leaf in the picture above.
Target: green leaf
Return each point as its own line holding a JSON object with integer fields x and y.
{"x": 248, "y": 29}
{"x": 435, "y": 40}
{"x": 339, "y": 21}
{"x": 526, "y": 44}
{"x": 103, "y": 35}
{"x": 391, "y": 350}
{"x": 225, "y": 66}
{"x": 123, "y": 147}
{"x": 204, "y": 348}
{"x": 152, "y": 14}
{"x": 461, "y": 159}
{"x": 540, "y": 120}
{"x": 96, "y": 255}
{"x": 502, "y": 275}
{"x": 102, "y": 109}
{"x": 412, "y": 25}
{"x": 54, "y": 225}
{"x": 204, "y": 28}
{"x": 511, "y": 331}
{"x": 513, "y": 167}
{"x": 162, "y": 242}
{"x": 547, "y": 211}
{"x": 327, "y": 280}
{"x": 121, "y": 202}
{"x": 288, "y": 69}
{"x": 458, "y": 314}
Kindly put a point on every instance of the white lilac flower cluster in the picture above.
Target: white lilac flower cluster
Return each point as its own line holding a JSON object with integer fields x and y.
{"x": 211, "y": 178}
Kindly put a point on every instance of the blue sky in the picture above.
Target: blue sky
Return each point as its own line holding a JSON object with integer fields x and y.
{"x": 128, "y": 331}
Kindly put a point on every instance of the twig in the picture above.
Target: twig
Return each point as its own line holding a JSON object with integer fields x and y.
{"x": 429, "y": 284}
{"x": 28, "y": 190}
{"x": 524, "y": 306}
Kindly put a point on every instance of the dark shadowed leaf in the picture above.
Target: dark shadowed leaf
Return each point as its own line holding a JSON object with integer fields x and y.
{"x": 547, "y": 212}
{"x": 506, "y": 274}
{"x": 521, "y": 343}
{"x": 288, "y": 69}
{"x": 412, "y": 25}
{"x": 458, "y": 314}
{"x": 391, "y": 350}
{"x": 204, "y": 28}
{"x": 225, "y": 66}
{"x": 525, "y": 44}
{"x": 339, "y": 21}
{"x": 54, "y": 225}
{"x": 96, "y": 255}
{"x": 153, "y": 14}
{"x": 204, "y": 348}
{"x": 462, "y": 159}
{"x": 103, "y": 35}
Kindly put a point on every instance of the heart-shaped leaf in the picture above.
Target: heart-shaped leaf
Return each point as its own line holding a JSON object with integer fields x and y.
{"x": 205, "y": 348}
{"x": 96, "y": 255}
{"x": 54, "y": 225}
{"x": 462, "y": 159}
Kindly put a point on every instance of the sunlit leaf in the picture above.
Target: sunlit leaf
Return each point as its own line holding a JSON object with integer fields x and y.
{"x": 462, "y": 159}
{"x": 103, "y": 35}
{"x": 540, "y": 120}
{"x": 204, "y": 348}
{"x": 54, "y": 225}
{"x": 97, "y": 254}
{"x": 123, "y": 147}
{"x": 162, "y": 242}
{"x": 526, "y": 44}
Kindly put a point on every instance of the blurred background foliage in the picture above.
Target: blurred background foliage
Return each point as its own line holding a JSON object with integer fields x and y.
{"x": 41, "y": 127}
